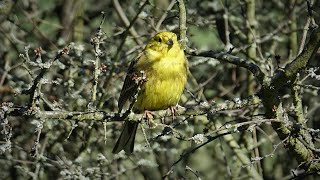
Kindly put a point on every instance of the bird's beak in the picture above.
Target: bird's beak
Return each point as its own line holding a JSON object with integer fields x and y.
{"x": 169, "y": 42}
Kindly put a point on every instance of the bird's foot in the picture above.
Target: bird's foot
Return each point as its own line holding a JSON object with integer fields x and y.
{"x": 173, "y": 111}
{"x": 148, "y": 116}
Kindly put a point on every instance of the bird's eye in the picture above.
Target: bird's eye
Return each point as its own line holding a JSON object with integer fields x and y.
{"x": 158, "y": 39}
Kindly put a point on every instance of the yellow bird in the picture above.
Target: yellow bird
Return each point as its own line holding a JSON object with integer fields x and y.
{"x": 165, "y": 67}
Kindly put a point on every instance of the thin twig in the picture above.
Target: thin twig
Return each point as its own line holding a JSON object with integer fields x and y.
{"x": 182, "y": 24}
{"x": 227, "y": 57}
{"x": 165, "y": 14}
{"x": 96, "y": 41}
{"x": 125, "y": 20}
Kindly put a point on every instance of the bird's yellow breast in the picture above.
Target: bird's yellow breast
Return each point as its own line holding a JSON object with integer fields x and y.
{"x": 166, "y": 79}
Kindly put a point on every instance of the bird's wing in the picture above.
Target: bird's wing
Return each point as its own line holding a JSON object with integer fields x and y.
{"x": 130, "y": 85}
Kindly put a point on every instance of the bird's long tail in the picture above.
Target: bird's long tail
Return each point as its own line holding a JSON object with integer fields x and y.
{"x": 126, "y": 139}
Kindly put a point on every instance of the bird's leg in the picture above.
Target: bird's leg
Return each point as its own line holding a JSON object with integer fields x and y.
{"x": 173, "y": 110}
{"x": 148, "y": 115}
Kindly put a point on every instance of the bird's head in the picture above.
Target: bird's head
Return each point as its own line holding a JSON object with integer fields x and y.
{"x": 164, "y": 43}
